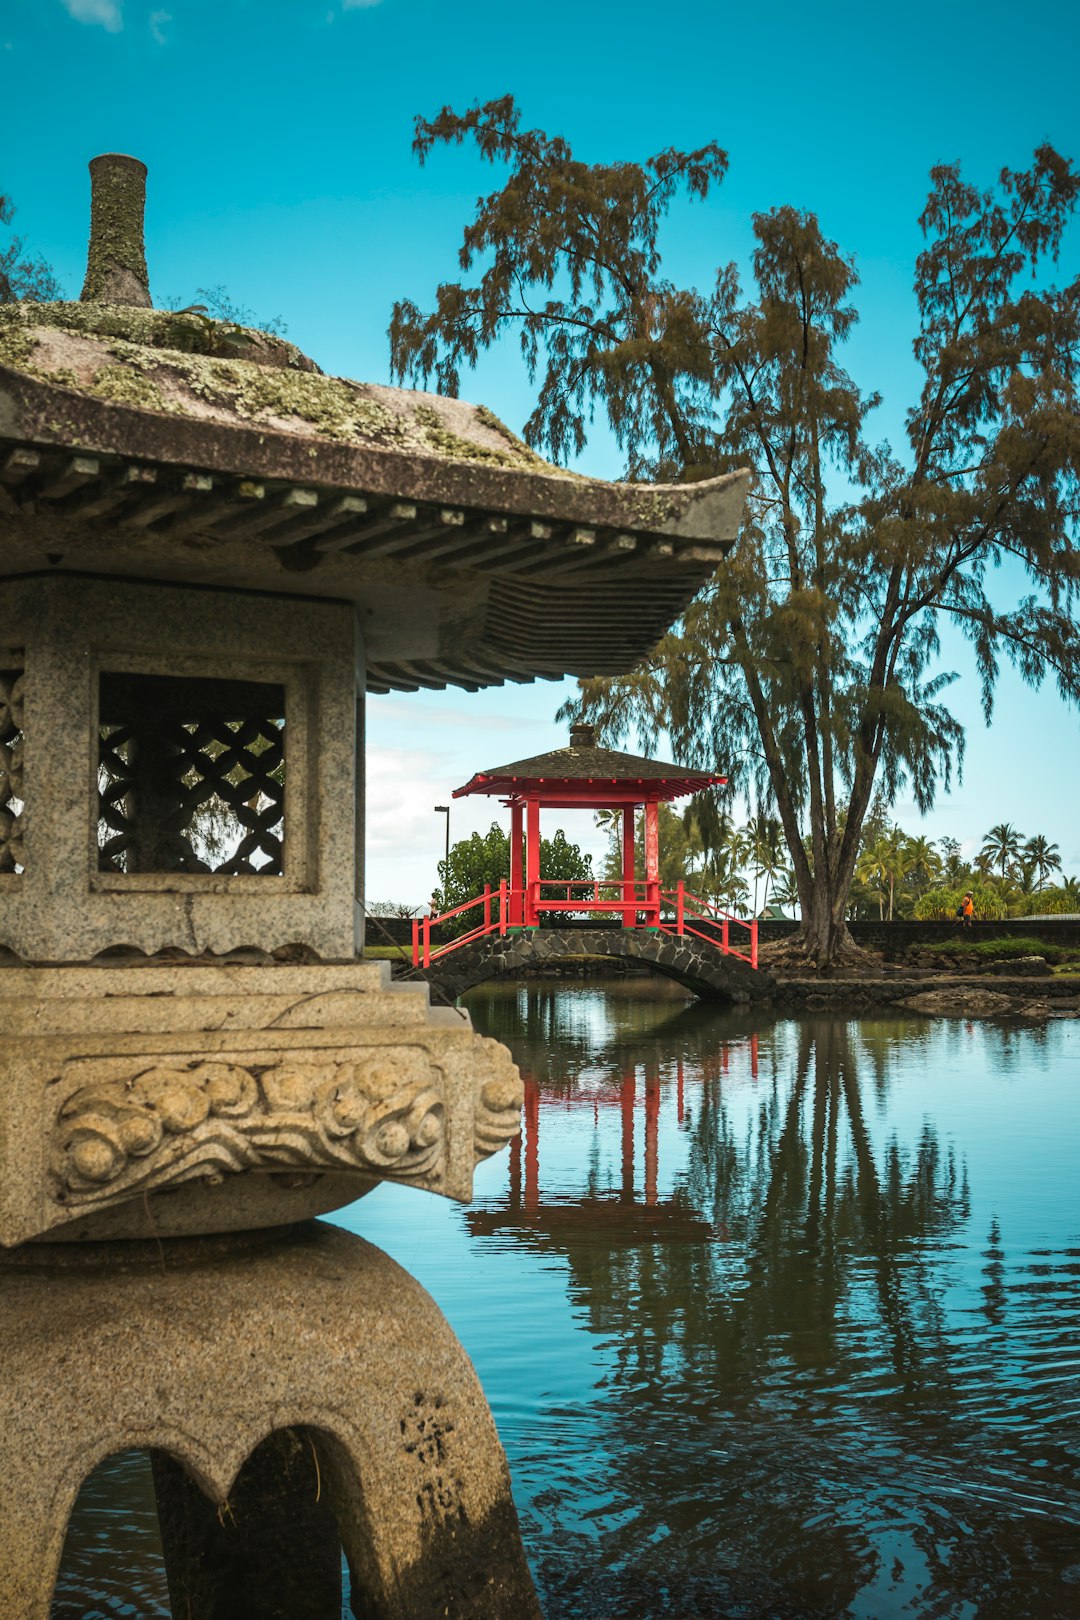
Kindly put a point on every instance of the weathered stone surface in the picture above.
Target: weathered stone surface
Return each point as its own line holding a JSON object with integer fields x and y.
{"x": 203, "y": 1349}
{"x": 967, "y": 1001}
{"x": 224, "y": 458}
{"x": 196, "y": 1099}
{"x": 696, "y": 964}
{"x": 116, "y": 261}
{"x": 1028, "y": 967}
{"x": 899, "y": 987}
{"x": 63, "y": 633}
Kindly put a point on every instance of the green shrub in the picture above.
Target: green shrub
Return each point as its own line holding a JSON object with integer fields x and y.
{"x": 1051, "y": 902}
{"x": 485, "y": 859}
{"x": 994, "y": 950}
{"x": 939, "y": 905}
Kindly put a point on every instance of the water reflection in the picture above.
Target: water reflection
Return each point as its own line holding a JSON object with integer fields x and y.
{"x": 112, "y": 1567}
{"x": 777, "y": 1320}
{"x": 808, "y": 1405}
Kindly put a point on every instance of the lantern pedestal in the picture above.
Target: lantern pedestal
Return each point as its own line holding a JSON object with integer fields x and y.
{"x": 200, "y": 1351}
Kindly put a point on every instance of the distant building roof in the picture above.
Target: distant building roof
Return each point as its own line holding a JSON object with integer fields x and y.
{"x": 583, "y": 763}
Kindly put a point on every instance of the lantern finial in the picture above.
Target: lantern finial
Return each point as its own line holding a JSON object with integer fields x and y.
{"x": 116, "y": 262}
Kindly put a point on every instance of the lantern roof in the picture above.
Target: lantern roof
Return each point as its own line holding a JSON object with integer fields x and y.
{"x": 161, "y": 445}
{"x": 585, "y": 771}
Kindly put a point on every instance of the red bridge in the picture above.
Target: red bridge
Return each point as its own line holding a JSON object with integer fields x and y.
{"x": 675, "y": 930}
{"x": 644, "y": 906}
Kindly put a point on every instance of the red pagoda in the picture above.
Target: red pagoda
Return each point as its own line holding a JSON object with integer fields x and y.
{"x": 585, "y": 777}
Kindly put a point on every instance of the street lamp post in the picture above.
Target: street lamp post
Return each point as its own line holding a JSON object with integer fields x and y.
{"x": 444, "y": 810}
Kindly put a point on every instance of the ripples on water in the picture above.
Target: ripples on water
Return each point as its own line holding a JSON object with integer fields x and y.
{"x": 775, "y": 1320}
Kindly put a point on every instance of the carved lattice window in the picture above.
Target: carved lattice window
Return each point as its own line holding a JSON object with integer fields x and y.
{"x": 11, "y": 770}
{"x": 191, "y": 775}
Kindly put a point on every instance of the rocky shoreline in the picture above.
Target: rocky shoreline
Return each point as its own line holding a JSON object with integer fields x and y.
{"x": 937, "y": 995}
{"x": 1025, "y": 989}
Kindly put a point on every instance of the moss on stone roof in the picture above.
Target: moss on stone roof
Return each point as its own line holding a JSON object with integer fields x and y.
{"x": 187, "y": 365}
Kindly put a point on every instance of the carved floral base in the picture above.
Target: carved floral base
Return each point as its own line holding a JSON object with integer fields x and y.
{"x": 163, "y": 1100}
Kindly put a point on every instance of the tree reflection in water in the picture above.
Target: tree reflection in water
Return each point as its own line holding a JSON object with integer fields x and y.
{"x": 791, "y": 1421}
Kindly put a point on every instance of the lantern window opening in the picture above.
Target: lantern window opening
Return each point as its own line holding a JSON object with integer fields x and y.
{"x": 191, "y": 775}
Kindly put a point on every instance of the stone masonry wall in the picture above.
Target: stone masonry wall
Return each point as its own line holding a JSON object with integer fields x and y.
{"x": 893, "y": 938}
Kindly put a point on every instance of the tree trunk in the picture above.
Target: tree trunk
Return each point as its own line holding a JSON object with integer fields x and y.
{"x": 824, "y": 938}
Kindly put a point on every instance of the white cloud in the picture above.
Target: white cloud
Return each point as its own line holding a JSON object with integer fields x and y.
{"x": 105, "y": 12}
{"x": 405, "y": 837}
{"x": 158, "y": 19}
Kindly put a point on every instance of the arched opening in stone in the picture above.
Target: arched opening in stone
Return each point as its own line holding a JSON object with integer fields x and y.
{"x": 145, "y": 1539}
{"x": 112, "y": 1561}
{"x": 271, "y": 1549}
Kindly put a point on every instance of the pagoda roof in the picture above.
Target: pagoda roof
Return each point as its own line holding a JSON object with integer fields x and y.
{"x": 472, "y": 560}
{"x": 165, "y": 445}
{"x": 585, "y": 765}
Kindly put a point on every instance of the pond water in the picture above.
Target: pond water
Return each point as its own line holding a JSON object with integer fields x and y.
{"x": 775, "y": 1318}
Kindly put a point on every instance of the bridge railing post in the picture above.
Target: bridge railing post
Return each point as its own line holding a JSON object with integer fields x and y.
{"x": 427, "y": 942}
{"x": 502, "y": 907}
{"x": 416, "y": 942}
{"x": 724, "y": 936}
{"x": 487, "y": 907}
{"x": 753, "y": 943}
{"x": 680, "y": 907}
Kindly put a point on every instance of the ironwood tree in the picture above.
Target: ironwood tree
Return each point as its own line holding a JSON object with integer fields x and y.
{"x": 23, "y": 277}
{"x": 810, "y": 665}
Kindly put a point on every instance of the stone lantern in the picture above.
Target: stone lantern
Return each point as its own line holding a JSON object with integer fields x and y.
{"x": 211, "y": 551}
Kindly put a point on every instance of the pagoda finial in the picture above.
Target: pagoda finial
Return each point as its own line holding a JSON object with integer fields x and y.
{"x": 116, "y": 261}
{"x": 582, "y": 735}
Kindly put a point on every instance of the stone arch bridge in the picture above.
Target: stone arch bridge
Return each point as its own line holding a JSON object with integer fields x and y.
{"x": 691, "y": 960}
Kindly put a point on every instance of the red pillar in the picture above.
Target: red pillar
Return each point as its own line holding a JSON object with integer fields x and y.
{"x": 652, "y": 1135}
{"x": 627, "y": 1101}
{"x": 532, "y": 860}
{"x": 532, "y": 1144}
{"x": 629, "y": 916}
{"x": 515, "y": 1173}
{"x": 652, "y": 861}
{"x": 517, "y": 834}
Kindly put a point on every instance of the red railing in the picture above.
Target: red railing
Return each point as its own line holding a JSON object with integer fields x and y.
{"x": 422, "y": 953}
{"x": 680, "y": 898}
{"x": 633, "y": 895}
{"x": 681, "y": 910}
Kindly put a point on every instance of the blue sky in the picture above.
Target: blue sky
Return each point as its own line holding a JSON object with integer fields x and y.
{"x": 278, "y": 132}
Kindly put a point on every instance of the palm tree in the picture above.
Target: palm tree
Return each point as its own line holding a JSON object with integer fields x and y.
{"x": 885, "y": 863}
{"x": 1043, "y": 858}
{"x": 730, "y": 892}
{"x": 734, "y": 845}
{"x": 1001, "y": 846}
{"x": 785, "y": 889}
{"x": 952, "y": 864}
{"x": 924, "y": 863}
{"x": 765, "y": 849}
{"x": 871, "y": 869}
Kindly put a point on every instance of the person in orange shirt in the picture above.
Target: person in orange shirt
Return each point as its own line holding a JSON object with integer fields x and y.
{"x": 967, "y": 910}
